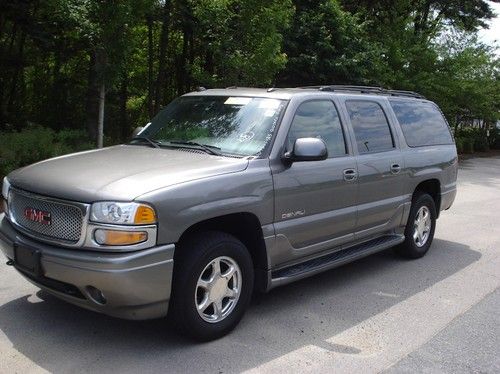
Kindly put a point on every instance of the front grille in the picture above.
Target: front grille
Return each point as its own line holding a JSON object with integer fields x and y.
{"x": 66, "y": 220}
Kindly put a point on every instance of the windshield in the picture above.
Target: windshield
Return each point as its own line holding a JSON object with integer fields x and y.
{"x": 241, "y": 126}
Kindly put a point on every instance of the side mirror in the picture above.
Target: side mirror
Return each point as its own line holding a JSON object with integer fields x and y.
{"x": 307, "y": 149}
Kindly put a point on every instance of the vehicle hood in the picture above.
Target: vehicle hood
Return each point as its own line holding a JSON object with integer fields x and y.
{"x": 121, "y": 172}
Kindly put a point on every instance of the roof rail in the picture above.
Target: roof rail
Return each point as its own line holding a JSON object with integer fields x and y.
{"x": 365, "y": 89}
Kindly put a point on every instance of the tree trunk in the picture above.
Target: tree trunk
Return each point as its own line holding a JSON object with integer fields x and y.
{"x": 100, "y": 123}
{"x": 96, "y": 95}
{"x": 182, "y": 78}
{"x": 160, "y": 91}
{"x": 422, "y": 18}
{"x": 92, "y": 108}
{"x": 150, "y": 67}
{"x": 19, "y": 69}
{"x": 56, "y": 99}
{"x": 125, "y": 131}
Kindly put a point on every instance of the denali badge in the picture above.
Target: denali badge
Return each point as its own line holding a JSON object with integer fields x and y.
{"x": 39, "y": 216}
{"x": 295, "y": 214}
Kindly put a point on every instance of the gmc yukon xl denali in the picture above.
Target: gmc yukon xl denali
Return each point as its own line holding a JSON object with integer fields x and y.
{"x": 227, "y": 191}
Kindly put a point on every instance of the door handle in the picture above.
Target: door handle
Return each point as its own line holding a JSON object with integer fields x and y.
{"x": 350, "y": 175}
{"x": 395, "y": 168}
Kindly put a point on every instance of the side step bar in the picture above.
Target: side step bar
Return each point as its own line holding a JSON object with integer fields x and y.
{"x": 317, "y": 265}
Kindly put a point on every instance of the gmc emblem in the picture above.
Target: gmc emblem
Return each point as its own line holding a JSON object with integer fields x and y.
{"x": 39, "y": 216}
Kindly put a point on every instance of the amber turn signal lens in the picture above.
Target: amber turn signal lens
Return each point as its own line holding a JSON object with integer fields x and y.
{"x": 144, "y": 215}
{"x": 116, "y": 237}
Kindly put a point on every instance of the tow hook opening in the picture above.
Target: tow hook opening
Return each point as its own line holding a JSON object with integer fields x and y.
{"x": 96, "y": 295}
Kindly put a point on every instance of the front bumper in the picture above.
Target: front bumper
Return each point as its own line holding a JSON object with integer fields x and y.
{"x": 135, "y": 285}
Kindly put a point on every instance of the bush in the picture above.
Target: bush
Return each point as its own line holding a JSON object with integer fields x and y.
{"x": 468, "y": 144}
{"x": 481, "y": 144}
{"x": 37, "y": 143}
{"x": 460, "y": 145}
{"x": 494, "y": 138}
{"x": 473, "y": 139}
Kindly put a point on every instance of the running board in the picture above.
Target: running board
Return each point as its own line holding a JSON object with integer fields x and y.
{"x": 332, "y": 260}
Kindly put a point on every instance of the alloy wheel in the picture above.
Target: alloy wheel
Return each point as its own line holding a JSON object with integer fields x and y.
{"x": 218, "y": 289}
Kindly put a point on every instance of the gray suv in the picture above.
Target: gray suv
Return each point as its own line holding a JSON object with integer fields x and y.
{"x": 228, "y": 191}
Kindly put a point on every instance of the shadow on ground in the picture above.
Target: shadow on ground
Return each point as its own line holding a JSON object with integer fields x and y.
{"x": 60, "y": 337}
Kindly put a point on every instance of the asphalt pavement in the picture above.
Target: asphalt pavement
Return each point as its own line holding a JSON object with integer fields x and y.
{"x": 439, "y": 314}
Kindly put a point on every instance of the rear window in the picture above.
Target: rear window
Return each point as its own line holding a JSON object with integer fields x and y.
{"x": 422, "y": 123}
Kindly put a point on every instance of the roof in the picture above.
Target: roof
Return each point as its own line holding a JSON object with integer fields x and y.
{"x": 287, "y": 93}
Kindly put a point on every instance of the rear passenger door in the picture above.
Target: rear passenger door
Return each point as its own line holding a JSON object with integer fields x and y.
{"x": 380, "y": 165}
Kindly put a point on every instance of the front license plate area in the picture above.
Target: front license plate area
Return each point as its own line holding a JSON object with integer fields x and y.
{"x": 27, "y": 259}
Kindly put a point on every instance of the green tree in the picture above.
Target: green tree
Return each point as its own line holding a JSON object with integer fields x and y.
{"x": 327, "y": 45}
{"x": 57, "y": 55}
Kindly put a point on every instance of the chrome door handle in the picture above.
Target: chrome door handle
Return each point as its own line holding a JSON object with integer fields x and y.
{"x": 350, "y": 175}
{"x": 395, "y": 168}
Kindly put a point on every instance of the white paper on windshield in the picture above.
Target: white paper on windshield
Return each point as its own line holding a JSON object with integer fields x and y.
{"x": 237, "y": 100}
{"x": 269, "y": 104}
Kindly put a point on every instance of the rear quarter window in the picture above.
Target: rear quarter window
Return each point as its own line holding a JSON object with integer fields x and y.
{"x": 422, "y": 123}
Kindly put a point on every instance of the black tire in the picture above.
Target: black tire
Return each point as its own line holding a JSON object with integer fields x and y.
{"x": 193, "y": 256}
{"x": 409, "y": 247}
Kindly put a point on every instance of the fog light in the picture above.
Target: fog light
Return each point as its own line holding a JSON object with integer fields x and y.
{"x": 117, "y": 237}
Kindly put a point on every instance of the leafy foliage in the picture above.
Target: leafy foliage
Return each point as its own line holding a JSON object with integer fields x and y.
{"x": 55, "y": 54}
{"x": 36, "y": 143}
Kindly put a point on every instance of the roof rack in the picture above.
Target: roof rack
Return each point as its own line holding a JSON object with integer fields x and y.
{"x": 365, "y": 89}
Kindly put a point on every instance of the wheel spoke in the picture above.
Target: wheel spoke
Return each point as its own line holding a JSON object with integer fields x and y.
{"x": 205, "y": 303}
{"x": 419, "y": 216}
{"x": 231, "y": 293}
{"x": 217, "y": 308}
{"x": 229, "y": 272}
{"x": 420, "y": 237}
{"x": 204, "y": 284}
{"x": 426, "y": 215}
{"x": 216, "y": 268}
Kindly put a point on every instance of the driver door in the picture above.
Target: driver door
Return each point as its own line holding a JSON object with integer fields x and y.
{"x": 315, "y": 201}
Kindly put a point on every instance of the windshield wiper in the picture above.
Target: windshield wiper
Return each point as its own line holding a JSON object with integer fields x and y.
{"x": 211, "y": 149}
{"x": 152, "y": 142}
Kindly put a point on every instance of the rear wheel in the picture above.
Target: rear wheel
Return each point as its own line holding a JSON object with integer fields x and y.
{"x": 212, "y": 285}
{"x": 420, "y": 228}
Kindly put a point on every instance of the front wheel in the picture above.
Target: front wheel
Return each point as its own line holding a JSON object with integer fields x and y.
{"x": 212, "y": 285}
{"x": 420, "y": 228}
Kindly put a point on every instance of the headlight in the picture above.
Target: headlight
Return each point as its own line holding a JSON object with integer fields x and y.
{"x": 5, "y": 188}
{"x": 122, "y": 213}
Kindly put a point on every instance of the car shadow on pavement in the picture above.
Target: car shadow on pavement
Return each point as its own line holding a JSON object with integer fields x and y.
{"x": 60, "y": 337}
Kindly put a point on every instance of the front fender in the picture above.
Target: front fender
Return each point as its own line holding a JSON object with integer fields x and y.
{"x": 182, "y": 206}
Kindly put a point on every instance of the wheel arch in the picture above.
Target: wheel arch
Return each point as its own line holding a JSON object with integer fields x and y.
{"x": 247, "y": 228}
{"x": 433, "y": 188}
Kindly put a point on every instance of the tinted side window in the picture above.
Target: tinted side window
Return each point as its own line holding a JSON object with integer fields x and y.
{"x": 370, "y": 126}
{"x": 422, "y": 123}
{"x": 318, "y": 119}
